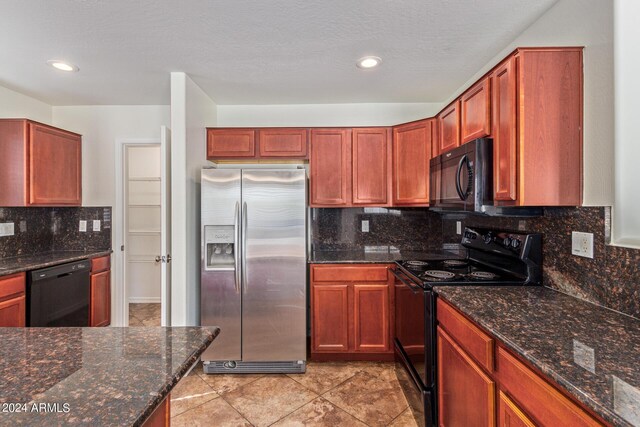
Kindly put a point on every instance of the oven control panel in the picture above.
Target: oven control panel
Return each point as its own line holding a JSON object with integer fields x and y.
{"x": 504, "y": 242}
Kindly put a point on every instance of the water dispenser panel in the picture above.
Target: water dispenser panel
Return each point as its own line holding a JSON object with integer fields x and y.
{"x": 220, "y": 247}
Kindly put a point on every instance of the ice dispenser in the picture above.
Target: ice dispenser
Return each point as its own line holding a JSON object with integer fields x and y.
{"x": 220, "y": 247}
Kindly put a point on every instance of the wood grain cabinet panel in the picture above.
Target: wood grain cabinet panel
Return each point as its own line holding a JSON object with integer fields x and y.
{"x": 283, "y": 143}
{"x": 13, "y": 300}
{"x": 510, "y": 415}
{"x": 230, "y": 143}
{"x": 466, "y": 395}
{"x": 371, "y": 318}
{"x": 330, "y": 167}
{"x": 100, "y": 264}
{"x": 161, "y": 416}
{"x": 449, "y": 128}
{"x": 411, "y": 152}
{"x": 330, "y": 317}
{"x": 371, "y": 168}
{"x": 475, "y": 111}
{"x": 100, "y": 305}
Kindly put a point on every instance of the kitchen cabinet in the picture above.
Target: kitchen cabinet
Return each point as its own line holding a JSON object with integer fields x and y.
{"x": 12, "y": 300}
{"x": 283, "y": 143}
{"x": 411, "y": 153}
{"x": 330, "y": 168}
{"x": 472, "y": 391}
{"x": 100, "y": 293}
{"x": 475, "y": 111}
{"x": 537, "y": 128}
{"x": 449, "y": 127}
{"x": 371, "y": 166}
{"x": 351, "y": 312}
{"x": 42, "y": 165}
{"x": 230, "y": 143}
{"x": 161, "y": 416}
{"x": 246, "y": 144}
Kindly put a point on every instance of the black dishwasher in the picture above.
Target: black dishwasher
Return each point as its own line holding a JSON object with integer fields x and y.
{"x": 59, "y": 295}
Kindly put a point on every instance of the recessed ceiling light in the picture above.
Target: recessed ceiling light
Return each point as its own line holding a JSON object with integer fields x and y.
{"x": 61, "y": 65}
{"x": 369, "y": 62}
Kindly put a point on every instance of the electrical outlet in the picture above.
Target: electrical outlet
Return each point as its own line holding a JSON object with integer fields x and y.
{"x": 365, "y": 226}
{"x": 459, "y": 227}
{"x": 23, "y": 226}
{"x": 83, "y": 226}
{"x": 96, "y": 225}
{"x": 582, "y": 244}
{"x": 6, "y": 229}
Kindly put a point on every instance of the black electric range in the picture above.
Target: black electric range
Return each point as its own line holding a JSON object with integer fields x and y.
{"x": 495, "y": 258}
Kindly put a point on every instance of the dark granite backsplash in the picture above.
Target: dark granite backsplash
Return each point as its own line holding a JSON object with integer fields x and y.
{"x": 611, "y": 278}
{"x": 404, "y": 228}
{"x": 39, "y": 230}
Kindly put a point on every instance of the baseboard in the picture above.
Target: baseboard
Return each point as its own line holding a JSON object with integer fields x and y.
{"x": 368, "y": 357}
{"x": 144, "y": 300}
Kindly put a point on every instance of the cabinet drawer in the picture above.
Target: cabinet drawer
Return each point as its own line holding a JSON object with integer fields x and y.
{"x": 12, "y": 285}
{"x": 374, "y": 273}
{"x": 537, "y": 397}
{"x": 475, "y": 342}
{"x": 100, "y": 264}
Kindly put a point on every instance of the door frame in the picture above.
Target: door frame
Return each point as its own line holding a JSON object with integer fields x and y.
{"x": 120, "y": 292}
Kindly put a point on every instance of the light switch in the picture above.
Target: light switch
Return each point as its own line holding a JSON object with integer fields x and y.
{"x": 83, "y": 226}
{"x": 582, "y": 244}
{"x": 459, "y": 227}
{"x": 365, "y": 226}
{"x": 6, "y": 229}
{"x": 96, "y": 225}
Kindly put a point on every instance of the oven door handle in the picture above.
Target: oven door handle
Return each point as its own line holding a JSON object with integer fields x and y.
{"x": 410, "y": 285}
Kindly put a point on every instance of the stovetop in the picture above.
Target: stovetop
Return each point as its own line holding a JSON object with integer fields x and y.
{"x": 457, "y": 272}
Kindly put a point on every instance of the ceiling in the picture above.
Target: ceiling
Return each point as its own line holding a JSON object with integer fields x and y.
{"x": 254, "y": 52}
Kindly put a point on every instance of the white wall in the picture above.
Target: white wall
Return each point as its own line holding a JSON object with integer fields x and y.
{"x": 626, "y": 225}
{"x": 587, "y": 23}
{"x": 191, "y": 112}
{"x": 324, "y": 114}
{"x": 17, "y": 105}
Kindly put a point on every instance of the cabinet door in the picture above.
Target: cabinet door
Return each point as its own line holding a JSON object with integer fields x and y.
{"x": 371, "y": 318}
{"x": 449, "y": 127}
{"x": 411, "y": 154}
{"x": 475, "y": 106}
{"x": 55, "y": 166}
{"x": 100, "y": 299}
{"x": 504, "y": 132}
{"x": 230, "y": 143}
{"x": 283, "y": 143}
{"x": 371, "y": 166}
{"x": 12, "y": 312}
{"x": 330, "y": 167}
{"x": 466, "y": 395}
{"x": 510, "y": 415}
{"x": 330, "y": 318}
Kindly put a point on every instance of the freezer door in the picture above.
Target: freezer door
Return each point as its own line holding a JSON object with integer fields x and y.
{"x": 274, "y": 269}
{"x": 220, "y": 294}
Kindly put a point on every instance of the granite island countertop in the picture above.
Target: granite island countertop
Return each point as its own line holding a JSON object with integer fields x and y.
{"x": 106, "y": 376}
{"x": 591, "y": 351}
{"x": 22, "y": 263}
{"x": 380, "y": 257}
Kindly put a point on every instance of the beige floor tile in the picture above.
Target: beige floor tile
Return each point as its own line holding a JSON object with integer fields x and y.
{"x": 404, "y": 420}
{"x": 224, "y": 383}
{"x": 190, "y": 392}
{"x": 374, "y": 400}
{"x": 319, "y": 413}
{"x": 323, "y": 376}
{"x": 214, "y": 413}
{"x": 268, "y": 399}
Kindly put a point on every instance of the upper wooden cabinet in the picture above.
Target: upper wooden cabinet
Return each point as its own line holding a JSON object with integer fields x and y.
{"x": 371, "y": 159}
{"x": 475, "y": 111}
{"x": 449, "y": 127}
{"x": 42, "y": 165}
{"x": 330, "y": 167}
{"x": 283, "y": 143}
{"x": 230, "y": 143}
{"x": 537, "y": 129}
{"x": 411, "y": 154}
{"x": 265, "y": 143}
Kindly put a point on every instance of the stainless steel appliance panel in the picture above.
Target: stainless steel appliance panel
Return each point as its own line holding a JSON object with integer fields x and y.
{"x": 220, "y": 293}
{"x": 274, "y": 265}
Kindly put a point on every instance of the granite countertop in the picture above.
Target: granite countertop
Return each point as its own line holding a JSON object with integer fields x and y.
{"x": 591, "y": 351}
{"x": 46, "y": 259}
{"x": 105, "y": 376}
{"x": 363, "y": 257}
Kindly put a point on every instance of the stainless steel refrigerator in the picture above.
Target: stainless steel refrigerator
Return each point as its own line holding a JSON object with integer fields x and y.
{"x": 253, "y": 262}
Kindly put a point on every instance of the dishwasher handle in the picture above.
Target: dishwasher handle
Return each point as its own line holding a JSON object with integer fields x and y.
{"x": 59, "y": 270}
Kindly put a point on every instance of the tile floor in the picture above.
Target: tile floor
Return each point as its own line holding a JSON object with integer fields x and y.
{"x": 144, "y": 314}
{"x": 358, "y": 394}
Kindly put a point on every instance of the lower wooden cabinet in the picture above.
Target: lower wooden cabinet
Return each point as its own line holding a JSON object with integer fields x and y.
{"x": 100, "y": 305}
{"x": 161, "y": 417}
{"x": 510, "y": 415}
{"x": 12, "y": 300}
{"x": 351, "y": 312}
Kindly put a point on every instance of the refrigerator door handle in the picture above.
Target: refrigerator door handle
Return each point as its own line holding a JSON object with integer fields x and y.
{"x": 244, "y": 247}
{"x": 236, "y": 255}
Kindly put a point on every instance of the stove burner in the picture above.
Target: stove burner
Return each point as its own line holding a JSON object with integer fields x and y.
{"x": 438, "y": 275}
{"x": 483, "y": 275}
{"x": 455, "y": 263}
{"x": 416, "y": 265}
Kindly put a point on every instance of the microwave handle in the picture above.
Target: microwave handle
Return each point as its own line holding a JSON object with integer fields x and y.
{"x": 462, "y": 195}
